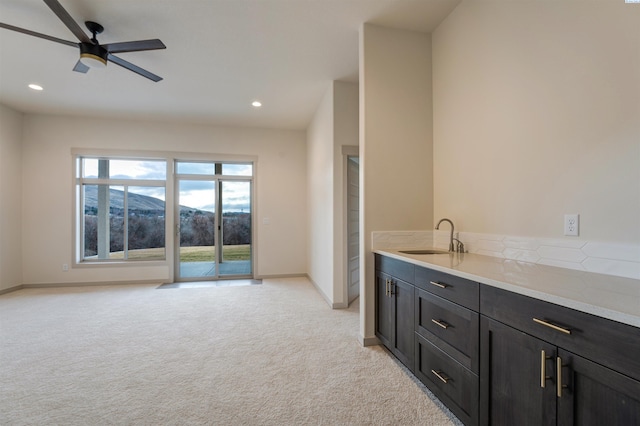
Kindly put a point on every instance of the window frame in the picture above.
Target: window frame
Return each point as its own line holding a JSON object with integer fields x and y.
{"x": 79, "y": 215}
{"x": 170, "y": 157}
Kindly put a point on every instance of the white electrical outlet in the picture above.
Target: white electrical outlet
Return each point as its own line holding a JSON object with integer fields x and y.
{"x": 572, "y": 225}
{"x": 65, "y": 267}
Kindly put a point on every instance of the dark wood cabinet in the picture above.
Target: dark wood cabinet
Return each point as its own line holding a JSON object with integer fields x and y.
{"x": 395, "y": 310}
{"x": 596, "y": 395}
{"x": 450, "y": 326}
{"x": 510, "y": 390}
{"x": 384, "y": 310}
{"x": 458, "y": 290}
{"x": 527, "y": 379}
{"x": 608, "y": 342}
{"x": 447, "y": 335}
{"x": 455, "y": 385}
{"x": 495, "y": 357}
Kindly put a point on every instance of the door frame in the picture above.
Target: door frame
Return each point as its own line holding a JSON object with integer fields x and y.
{"x": 219, "y": 216}
{"x": 177, "y": 230}
{"x": 218, "y": 235}
{"x": 349, "y": 151}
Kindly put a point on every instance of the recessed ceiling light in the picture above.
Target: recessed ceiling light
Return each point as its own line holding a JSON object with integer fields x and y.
{"x": 256, "y": 104}
{"x": 35, "y": 87}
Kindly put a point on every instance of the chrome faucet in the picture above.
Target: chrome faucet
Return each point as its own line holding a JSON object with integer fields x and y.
{"x": 451, "y": 237}
{"x": 460, "y": 248}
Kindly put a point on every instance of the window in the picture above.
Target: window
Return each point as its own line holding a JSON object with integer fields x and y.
{"x": 121, "y": 209}
{"x": 210, "y": 169}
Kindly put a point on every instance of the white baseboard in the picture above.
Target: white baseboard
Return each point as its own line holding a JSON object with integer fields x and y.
{"x": 92, "y": 284}
{"x": 80, "y": 284}
{"x": 333, "y": 305}
{"x": 267, "y": 277}
{"x": 369, "y": 341}
{"x": 11, "y": 289}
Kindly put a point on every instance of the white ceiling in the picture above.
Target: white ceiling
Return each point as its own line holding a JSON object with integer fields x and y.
{"x": 220, "y": 56}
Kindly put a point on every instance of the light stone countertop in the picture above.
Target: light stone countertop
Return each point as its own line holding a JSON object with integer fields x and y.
{"x": 607, "y": 296}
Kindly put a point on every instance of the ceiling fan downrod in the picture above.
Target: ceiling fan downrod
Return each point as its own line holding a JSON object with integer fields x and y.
{"x": 95, "y": 29}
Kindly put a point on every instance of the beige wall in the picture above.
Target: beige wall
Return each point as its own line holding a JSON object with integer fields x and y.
{"x": 395, "y": 144}
{"x": 10, "y": 198}
{"x": 346, "y": 128}
{"x": 320, "y": 178}
{"x": 47, "y": 184}
{"x": 537, "y": 114}
{"x": 335, "y": 124}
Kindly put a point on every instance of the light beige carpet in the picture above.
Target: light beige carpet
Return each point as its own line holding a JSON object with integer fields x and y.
{"x": 270, "y": 354}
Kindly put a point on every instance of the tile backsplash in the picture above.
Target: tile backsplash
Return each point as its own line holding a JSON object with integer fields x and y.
{"x": 605, "y": 258}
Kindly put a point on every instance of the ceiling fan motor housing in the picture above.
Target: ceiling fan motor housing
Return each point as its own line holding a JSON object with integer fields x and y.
{"x": 93, "y": 55}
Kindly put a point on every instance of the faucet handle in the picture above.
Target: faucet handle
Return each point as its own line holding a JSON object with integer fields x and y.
{"x": 459, "y": 246}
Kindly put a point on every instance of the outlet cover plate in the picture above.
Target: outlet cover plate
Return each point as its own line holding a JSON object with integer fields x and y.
{"x": 572, "y": 225}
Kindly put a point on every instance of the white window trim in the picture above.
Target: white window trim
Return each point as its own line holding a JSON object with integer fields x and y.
{"x": 170, "y": 157}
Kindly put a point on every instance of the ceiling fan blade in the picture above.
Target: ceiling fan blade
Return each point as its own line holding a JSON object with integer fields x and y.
{"x": 134, "y": 46}
{"x": 80, "y": 67}
{"x": 35, "y": 34}
{"x": 134, "y": 68}
{"x": 68, "y": 20}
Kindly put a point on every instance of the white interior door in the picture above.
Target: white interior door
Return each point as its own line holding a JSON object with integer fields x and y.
{"x": 353, "y": 233}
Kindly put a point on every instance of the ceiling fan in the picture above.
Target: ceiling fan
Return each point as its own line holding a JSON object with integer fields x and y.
{"x": 92, "y": 53}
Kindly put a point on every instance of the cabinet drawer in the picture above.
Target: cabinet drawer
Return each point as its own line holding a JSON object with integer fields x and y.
{"x": 450, "y": 287}
{"x": 396, "y": 268}
{"x": 604, "y": 341}
{"x": 451, "y": 327}
{"x": 456, "y": 386}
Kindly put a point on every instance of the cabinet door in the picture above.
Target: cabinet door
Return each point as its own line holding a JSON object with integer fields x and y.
{"x": 404, "y": 341}
{"x": 511, "y": 390}
{"x": 384, "y": 310}
{"x": 596, "y": 395}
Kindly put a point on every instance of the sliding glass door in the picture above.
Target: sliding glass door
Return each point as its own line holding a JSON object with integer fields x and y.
{"x": 214, "y": 215}
{"x": 235, "y": 215}
{"x": 196, "y": 229}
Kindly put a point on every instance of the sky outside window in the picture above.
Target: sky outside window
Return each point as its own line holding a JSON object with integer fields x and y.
{"x": 128, "y": 169}
{"x": 196, "y": 194}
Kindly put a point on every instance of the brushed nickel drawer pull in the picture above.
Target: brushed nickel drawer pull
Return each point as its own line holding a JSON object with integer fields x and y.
{"x": 391, "y": 284}
{"x": 438, "y": 284}
{"x": 555, "y": 327}
{"x": 386, "y": 289}
{"x": 439, "y": 375}
{"x": 543, "y": 369}
{"x": 440, "y": 323}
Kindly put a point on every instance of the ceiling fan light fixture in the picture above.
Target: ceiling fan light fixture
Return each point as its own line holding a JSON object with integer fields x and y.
{"x": 93, "y": 56}
{"x": 92, "y": 61}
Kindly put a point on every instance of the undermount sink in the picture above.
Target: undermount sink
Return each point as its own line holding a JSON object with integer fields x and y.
{"x": 428, "y": 251}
